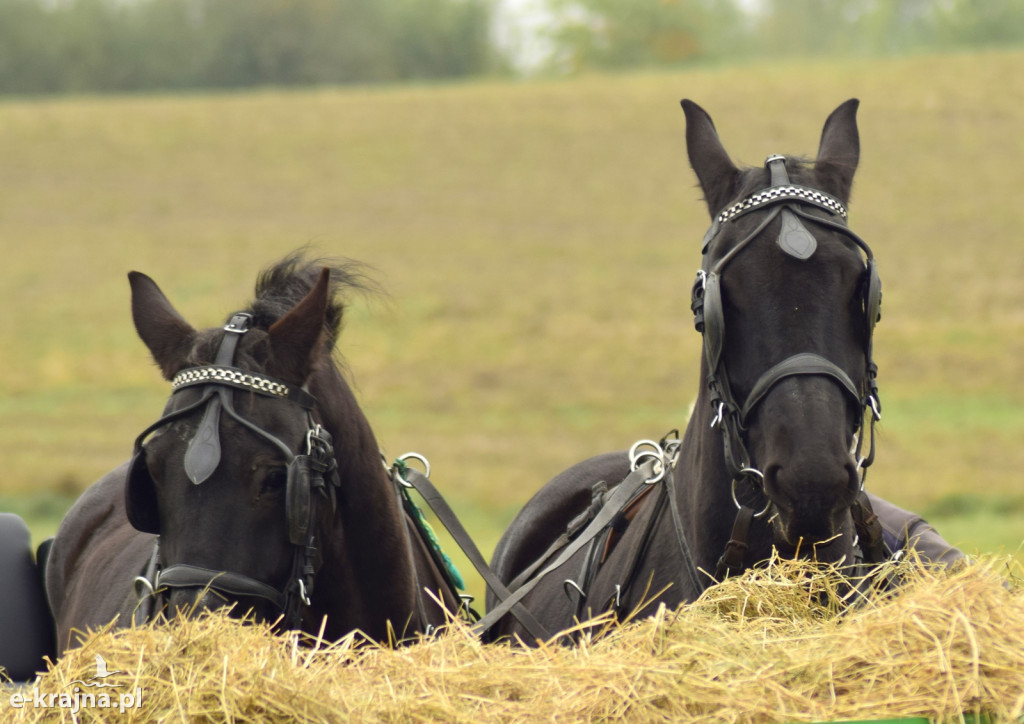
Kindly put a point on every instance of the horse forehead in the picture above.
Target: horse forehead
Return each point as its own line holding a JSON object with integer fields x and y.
{"x": 278, "y": 418}
{"x": 762, "y": 256}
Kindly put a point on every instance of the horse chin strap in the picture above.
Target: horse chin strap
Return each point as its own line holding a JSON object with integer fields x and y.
{"x": 313, "y": 471}
{"x": 784, "y": 200}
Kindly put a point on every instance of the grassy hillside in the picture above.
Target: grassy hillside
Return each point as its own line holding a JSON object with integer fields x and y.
{"x": 537, "y": 242}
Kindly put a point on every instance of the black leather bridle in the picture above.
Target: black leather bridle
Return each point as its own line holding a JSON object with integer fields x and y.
{"x": 788, "y": 201}
{"x": 314, "y": 469}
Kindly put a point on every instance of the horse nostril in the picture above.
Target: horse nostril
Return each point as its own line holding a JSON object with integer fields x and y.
{"x": 771, "y": 481}
{"x": 855, "y": 479}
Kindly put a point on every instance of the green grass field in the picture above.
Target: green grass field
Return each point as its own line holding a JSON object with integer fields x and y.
{"x": 537, "y": 242}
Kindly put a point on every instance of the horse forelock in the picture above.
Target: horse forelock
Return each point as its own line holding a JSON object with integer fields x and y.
{"x": 755, "y": 178}
{"x": 281, "y": 287}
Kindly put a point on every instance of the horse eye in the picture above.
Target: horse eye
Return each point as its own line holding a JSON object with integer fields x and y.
{"x": 275, "y": 480}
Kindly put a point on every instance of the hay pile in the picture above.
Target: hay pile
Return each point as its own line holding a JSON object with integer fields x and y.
{"x": 766, "y": 647}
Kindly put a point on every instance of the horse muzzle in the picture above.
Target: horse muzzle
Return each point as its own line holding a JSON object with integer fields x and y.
{"x": 812, "y": 511}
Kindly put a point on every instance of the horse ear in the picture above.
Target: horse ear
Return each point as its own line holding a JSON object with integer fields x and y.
{"x": 839, "y": 150}
{"x": 295, "y": 336}
{"x": 167, "y": 335}
{"x": 718, "y": 176}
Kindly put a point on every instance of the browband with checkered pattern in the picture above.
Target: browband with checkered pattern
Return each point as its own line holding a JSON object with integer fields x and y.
{"x": 784, "y": 193}
{"x": 234, "y": 377}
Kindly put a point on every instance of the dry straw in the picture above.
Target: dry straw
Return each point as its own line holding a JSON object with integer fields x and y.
{"x": 779, "y": 644}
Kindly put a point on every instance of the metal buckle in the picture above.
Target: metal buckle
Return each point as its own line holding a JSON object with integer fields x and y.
{"x": 720, "y": 416}
{"x": 239, "y": 323}
{"x": 876, "y": 407}
{"x": 315, "y": 440}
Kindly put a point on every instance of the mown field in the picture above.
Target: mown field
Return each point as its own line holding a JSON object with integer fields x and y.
{"x": 536, "y": 241}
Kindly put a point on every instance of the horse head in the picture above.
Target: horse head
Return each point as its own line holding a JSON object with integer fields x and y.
{"x": 238, "y": 477}
{"x": 787, "y": 304}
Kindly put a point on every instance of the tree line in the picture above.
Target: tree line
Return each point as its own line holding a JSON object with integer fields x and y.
{"x": 54, "y": 46}
{"x": 612, "y": 34}
{"x": 57, "y": 46}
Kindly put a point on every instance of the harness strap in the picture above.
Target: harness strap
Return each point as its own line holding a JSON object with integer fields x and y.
{"x": 804, "y": 363}
{"x": 869, "y": 530}
{"x": 677, "y": 525}
{"x": 731, "y": 562}
{"x": 433, "y": 498}
{"x": 619, "y": 497}
{"x": 648, "y": 516}
{"x": 184, "y": 575}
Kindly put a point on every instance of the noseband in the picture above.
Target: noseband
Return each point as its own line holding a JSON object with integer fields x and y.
{"x": 788, "y": 201}
{"x": 315, "y": 469}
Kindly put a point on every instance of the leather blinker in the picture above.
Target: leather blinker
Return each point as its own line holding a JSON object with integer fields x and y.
{"x": 140, "y": 495}
{"x": 298, "y": 502}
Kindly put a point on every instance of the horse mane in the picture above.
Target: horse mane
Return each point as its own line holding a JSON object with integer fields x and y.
{"x": 282, "y": 286}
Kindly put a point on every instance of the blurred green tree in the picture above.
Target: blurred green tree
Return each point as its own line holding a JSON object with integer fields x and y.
{"x": 123, "y": 45}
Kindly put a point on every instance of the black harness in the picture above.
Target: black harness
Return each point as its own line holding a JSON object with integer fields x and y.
{"x": 787, "y": 202}
{"x": 314, "y": 469}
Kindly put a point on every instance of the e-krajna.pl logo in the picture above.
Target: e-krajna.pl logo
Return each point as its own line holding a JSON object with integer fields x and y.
{"x": 82, "y": 698}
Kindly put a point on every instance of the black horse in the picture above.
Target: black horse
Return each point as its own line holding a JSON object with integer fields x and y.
{"x": 775, "y": 453}
{"x": 261, "y": 485}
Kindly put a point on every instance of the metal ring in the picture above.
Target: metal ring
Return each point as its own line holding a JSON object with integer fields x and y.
{"x": 750, "y": 472}
{"x": 412, "y": 456}
{"x": 635, "y": 454}
{"x": 660, "y": 469}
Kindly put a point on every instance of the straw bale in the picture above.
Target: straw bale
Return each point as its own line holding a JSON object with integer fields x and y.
{"x": 784, "y": 643}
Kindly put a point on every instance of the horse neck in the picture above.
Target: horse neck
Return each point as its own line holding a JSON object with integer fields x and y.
{"x": 367, "y": 575}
